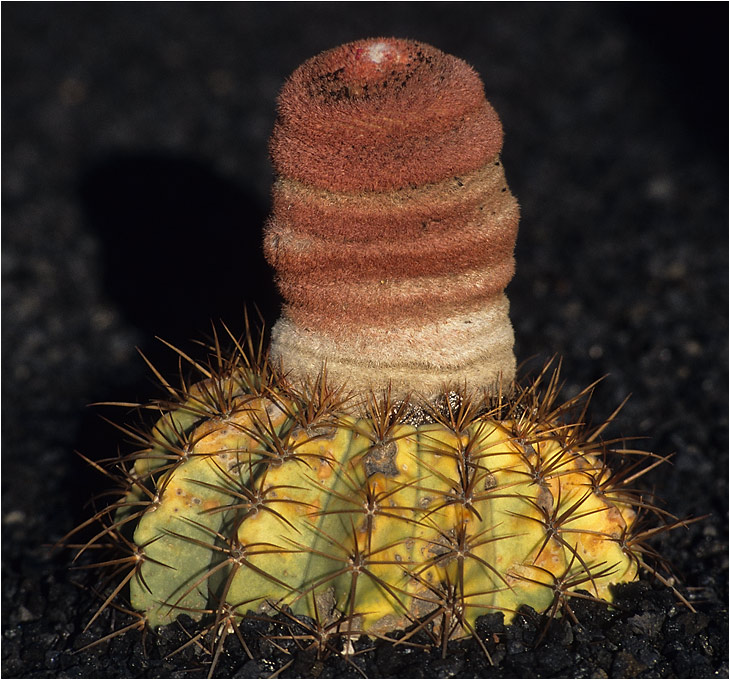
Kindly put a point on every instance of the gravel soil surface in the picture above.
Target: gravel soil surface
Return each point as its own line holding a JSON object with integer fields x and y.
{"x": 135, "y": 185}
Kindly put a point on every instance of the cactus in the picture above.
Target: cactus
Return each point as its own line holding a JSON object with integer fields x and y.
{"x": 379, "y": 468}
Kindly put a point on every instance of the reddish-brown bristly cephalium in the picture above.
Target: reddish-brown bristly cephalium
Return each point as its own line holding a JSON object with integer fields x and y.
{"x": 393, "y": 229}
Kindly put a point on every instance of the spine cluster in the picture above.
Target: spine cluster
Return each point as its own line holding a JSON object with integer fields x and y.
{"x": 393, "y": 228}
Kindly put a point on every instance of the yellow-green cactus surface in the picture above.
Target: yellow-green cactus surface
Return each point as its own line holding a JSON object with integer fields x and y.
{"x": 253, "y": 496}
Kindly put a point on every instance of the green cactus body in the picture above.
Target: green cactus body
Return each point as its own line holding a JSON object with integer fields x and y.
{"x": 178, "y": 529}
{"x": 377, "y": 526}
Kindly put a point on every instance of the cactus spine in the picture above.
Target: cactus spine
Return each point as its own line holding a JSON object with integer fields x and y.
{"x": 381, "y": 469}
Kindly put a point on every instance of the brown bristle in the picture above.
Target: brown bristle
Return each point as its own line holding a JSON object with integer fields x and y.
{"x": 364, "y": 117}
{"x": 392, "y": 229}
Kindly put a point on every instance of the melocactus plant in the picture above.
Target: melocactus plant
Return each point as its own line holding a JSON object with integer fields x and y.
{"x": 379, "y": 468}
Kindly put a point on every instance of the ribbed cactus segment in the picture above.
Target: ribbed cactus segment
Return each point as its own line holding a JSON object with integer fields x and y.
{"x": 190, "y": 494}
{"x": 374, "y": 522}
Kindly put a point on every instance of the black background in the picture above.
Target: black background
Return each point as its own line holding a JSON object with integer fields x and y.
{"x": 135, "y": 184}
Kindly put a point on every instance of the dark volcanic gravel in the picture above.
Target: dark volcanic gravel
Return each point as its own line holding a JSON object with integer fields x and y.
{"x": 135, "y": 184}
